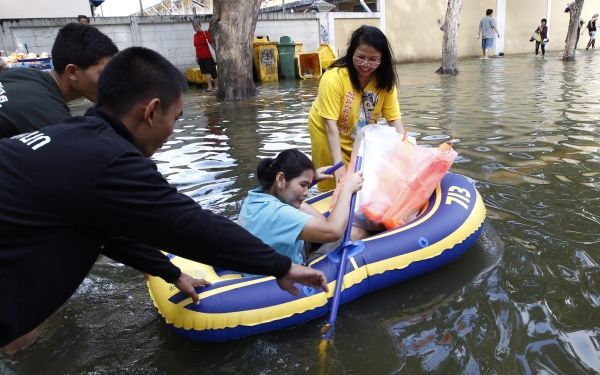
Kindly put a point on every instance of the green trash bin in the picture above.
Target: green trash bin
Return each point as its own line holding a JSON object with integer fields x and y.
{"x": 287, "y": 52}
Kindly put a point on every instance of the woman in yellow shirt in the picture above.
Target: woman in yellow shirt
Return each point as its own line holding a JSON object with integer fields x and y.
{"x": 357, "y": 90}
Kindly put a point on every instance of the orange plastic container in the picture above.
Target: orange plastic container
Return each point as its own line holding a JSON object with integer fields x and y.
{"x": 309, "y": 65}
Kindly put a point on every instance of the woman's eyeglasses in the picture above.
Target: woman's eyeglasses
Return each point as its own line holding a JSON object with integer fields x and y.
{"x": 363, "y": 62}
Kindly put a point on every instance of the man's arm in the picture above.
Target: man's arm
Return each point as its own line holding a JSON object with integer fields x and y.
{"x": 494, "y": 27}
{"x": 152, "y": 261}
{"x": 134, "y": 200}
{"x": 141, "y": 257}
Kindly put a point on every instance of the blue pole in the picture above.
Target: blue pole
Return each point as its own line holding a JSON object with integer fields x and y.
{"x": 330, "y": 327}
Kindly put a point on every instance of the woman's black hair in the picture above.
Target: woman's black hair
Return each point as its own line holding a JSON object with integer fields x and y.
{"x": 373, "y": 37}
{"x": 291, "y": 162}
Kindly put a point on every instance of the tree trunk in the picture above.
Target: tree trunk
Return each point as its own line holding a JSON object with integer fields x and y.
{"x": 233, "y": 24}
{"x": 574, "y": 10}
{"x": 450, "y": 42}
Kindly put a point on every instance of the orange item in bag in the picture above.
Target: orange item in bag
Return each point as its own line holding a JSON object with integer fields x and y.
{"x": 422, "y": 170}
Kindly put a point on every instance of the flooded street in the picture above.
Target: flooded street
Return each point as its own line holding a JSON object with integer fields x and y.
{"x": 524, "y": 300}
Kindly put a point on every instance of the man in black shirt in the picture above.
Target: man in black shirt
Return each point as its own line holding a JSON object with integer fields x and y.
{"x": 71, "y": 191}
{"x": 31, "y": 99}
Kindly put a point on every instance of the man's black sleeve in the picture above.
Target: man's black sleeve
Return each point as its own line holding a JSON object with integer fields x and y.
{"x": 132, "y": 199}
{"x": 141, "y": 257}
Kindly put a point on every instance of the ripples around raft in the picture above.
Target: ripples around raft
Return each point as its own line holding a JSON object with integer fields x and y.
{"x": 525, "y": 299}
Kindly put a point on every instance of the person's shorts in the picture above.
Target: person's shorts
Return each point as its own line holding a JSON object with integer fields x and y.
{"x": 592, "y": 35}
{"x": 208, "y": 67}
{"x": 487, "y": 43}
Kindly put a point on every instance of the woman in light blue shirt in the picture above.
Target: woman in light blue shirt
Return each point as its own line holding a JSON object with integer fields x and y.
{"x": 276, "y": 212}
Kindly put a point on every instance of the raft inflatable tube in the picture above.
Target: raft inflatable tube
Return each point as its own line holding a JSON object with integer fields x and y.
{"x": 235, "y": 306}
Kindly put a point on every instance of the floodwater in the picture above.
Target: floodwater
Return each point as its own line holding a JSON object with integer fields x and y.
{"x": 524, "y": 300}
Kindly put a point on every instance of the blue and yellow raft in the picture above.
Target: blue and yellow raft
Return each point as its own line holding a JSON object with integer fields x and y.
{"x": 236, "y": 306}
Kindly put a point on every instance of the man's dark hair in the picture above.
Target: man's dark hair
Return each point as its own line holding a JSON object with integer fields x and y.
{"x": 81, "y": 45}
{"x": 489, "y": 12}
{"x": 137, "y": 74}
{"x": 82, "y": 17}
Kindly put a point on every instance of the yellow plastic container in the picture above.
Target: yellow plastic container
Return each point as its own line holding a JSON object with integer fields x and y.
{"x": 327, "y": 55}
{"x": 190, "y": 75}
{"x": 266, "y": 59}
{"x": 198, "y": 76}
{"x": 309, "y": 65}
{"x": 261, "y": 39}
{"x": 298, "y": 49}
{"x": 194, "y": 75}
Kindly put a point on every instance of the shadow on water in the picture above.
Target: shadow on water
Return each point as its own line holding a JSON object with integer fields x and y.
{"x": 524, "y": 299}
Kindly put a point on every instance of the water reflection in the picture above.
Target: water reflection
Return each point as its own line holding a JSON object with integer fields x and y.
{"x": 525, "y": 299}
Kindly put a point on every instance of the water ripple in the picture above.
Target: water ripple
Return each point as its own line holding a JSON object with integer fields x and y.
{"x": 527, "y": 132}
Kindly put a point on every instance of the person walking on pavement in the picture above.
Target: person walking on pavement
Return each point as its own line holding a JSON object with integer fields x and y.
{"x": 591, "y": 27}
{"x": 540, "y": 36}
{"x": 487, "y": 28}
{"x": 204, "y": 55}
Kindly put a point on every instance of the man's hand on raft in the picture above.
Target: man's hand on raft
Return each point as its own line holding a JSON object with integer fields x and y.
{"x": 296, "y": 274}
{"x": 187, "y": 285}
{"x": 302, "y": 275}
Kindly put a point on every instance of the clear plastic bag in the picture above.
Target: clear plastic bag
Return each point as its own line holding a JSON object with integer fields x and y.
{"x": 399, "y": 177}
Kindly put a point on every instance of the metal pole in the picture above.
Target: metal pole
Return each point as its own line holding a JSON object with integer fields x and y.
{"x": 141, "y": 8}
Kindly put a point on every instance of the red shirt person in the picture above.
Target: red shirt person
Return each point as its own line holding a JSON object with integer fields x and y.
{"x": 205, "y": 58}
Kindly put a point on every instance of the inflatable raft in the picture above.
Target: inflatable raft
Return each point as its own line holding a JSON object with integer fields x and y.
{"x": 236, "y": 306}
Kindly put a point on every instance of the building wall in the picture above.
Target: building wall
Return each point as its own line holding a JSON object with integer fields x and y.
{"x": 413, "y": 31}
{"x": 172, "y": 36}
{"x": 343, "y": 29}
{"x": 471, "y": 13}
{"x": 43, "y": 8}
{"x": 411, "y": 26}
{"x": 301, "y": 28}
{"x": 523, "y": 17}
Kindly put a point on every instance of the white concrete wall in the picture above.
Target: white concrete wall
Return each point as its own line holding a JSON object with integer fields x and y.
{"x": 173, "y": 40}
{"x": 172, "y": 36}
{"x": 299, "y": 30}
{"x": 43, "y": 8}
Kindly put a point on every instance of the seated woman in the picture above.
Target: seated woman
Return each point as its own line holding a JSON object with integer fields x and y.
{"x": 276, "y": 212}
